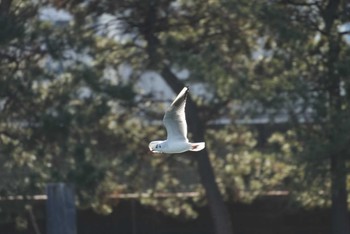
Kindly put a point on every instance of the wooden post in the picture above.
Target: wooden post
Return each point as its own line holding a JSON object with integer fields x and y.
{"x": 60, "y": 209}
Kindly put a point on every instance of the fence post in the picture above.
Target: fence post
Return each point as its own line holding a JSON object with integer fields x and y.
{"x": 60, "y": 209}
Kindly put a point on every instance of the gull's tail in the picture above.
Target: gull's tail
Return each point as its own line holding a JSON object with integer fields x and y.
{"x": 197, "y": 146}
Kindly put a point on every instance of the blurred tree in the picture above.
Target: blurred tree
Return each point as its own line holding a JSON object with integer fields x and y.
{"x": 58, "y": 112}
{"x": 214, "y": 41}
{"x": 70, "y": 114}
{"x": 303, "y": 69}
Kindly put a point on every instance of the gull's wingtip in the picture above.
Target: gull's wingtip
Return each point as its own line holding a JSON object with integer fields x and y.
{"x": 181, "y": 96}
{"x": 185, "y": 89}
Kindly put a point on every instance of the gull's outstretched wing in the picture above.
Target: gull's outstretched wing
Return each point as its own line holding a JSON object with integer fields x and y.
{"x": 175, "y": 120}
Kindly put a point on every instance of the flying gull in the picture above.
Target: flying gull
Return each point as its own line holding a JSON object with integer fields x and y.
{"x": 175, "y": 123}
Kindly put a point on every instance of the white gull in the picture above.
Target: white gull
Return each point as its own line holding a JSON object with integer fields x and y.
{"x": 176, "y": 126}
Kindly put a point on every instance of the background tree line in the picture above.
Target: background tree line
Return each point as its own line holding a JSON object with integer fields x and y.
{"x": 71, "y": 113}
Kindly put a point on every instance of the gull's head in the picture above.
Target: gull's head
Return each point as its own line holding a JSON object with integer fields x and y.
{"x": 156, "y": 146}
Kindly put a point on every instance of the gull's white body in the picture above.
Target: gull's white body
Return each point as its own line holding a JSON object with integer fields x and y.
{"x": 176, "y": 126}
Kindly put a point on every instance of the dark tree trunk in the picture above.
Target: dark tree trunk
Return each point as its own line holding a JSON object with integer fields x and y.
{"x": 339, "y": 195}
{"x": 5, "y": 7}
{"x": 219, "y": 212}
{"x": 339, "y": 210}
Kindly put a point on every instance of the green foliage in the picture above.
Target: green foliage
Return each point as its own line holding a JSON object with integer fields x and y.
{"x": 306, "y": 59}
{"x": 62, "y": 121}
{"x": 244, "y": 172}
{"x": 69, "y": 114}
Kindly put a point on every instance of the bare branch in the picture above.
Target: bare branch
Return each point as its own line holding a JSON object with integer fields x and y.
{"x": 345, "y": 32}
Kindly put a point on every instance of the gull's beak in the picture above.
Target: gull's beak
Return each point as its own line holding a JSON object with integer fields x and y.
{"x": 155, "y": 151}
{"x": 151, "y": 146}
{"x": 152, "y": 150}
